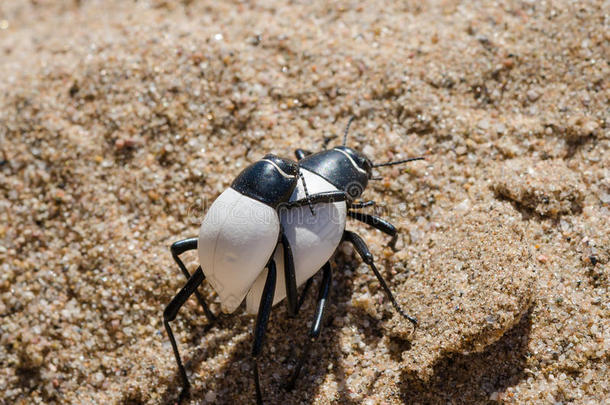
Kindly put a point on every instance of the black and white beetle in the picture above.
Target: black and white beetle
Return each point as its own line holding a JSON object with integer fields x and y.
{"x": 265, "y": 207}
{"x": 236, "y": 242}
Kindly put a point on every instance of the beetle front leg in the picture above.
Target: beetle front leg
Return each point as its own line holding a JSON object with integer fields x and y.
{"x": 377, "y": 223}
{"x": 367, "y": 257}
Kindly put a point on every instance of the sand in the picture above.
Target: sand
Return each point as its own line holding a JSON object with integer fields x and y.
{"x": 120, "y": 122}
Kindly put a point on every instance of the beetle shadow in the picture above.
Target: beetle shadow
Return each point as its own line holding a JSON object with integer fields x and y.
{"x": 473, "y": 378}
{"x": 196, "y": 334}
{"x": 288, "y": 337}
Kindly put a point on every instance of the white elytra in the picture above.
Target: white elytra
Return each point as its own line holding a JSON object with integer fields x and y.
{"x": 236, "y": 239}
{"x": 313, "y": 239}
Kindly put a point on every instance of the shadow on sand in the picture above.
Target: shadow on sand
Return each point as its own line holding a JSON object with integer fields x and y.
{"x": 472, "y": 378}
{"x": 456, "y": 379}
{"x": 276, "y": 366}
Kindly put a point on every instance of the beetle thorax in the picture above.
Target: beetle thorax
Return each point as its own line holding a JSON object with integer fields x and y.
{"x": 343, "y": 167}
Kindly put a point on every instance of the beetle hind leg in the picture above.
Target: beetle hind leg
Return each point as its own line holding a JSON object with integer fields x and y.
{"x": 170, "y": 313}
{"x": 177, "y": 249}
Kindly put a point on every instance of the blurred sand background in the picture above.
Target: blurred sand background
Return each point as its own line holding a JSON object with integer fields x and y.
{"x": 121, "y": 121}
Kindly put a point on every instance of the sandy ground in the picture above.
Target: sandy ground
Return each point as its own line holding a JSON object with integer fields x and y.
{"x": 121, "y": 121}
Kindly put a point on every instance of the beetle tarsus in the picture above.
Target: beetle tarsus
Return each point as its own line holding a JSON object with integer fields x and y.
{"x": 257, "y": 384}
{"x": 184, "y": 393}
{"x": 392, "y": 243}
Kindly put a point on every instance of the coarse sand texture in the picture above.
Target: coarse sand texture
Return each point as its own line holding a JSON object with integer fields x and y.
{"x": 121, "y": 122}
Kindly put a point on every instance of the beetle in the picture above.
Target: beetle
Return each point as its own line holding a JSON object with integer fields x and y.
{"x": 236, "y": 242}
{"x": 314, "y": 237}
{"x": 309, "y": 238}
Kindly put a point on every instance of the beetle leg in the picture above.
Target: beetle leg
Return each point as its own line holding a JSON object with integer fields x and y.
{"x": 293, "y": 301}
{"x": 361, "y": 204}
{"x": 289, "y": 276}
{"x": 301, "y": 153}
{"x": 169, "y": 314}
{"x": 307, "y": 196}
{"x": 304, "y": 293}
{"x": 264, "y": 310}
{"x": 316, "y": 325}
{"x": 324, "y": 197}
{"x": 177, "y": 249}
{"x": 377, "y": 223}
{"x": 367, "y": 257}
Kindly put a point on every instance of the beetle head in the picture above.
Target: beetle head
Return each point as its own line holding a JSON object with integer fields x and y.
{"x": 363, "y": 162}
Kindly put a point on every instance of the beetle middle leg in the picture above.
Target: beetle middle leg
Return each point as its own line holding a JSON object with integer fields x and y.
{"x": 318, "y": 198}
{"x": 316, "y": 325}
{"x": 367, "y": 257}
{"x": 292, "y": 299}
{"x": 177, "y": 249}
{"x": 361, "y": 204}
{"x": 169, "y": 314}
{"x": 377, "y": 223}
{"x": 264, "y": 310}
{"x": 304, "y": 293}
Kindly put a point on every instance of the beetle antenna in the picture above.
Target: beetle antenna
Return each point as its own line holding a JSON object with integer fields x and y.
{"x": 397, "y": 162}
{"x": 352, "y": 118}
{"x": 306, "y": 193}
